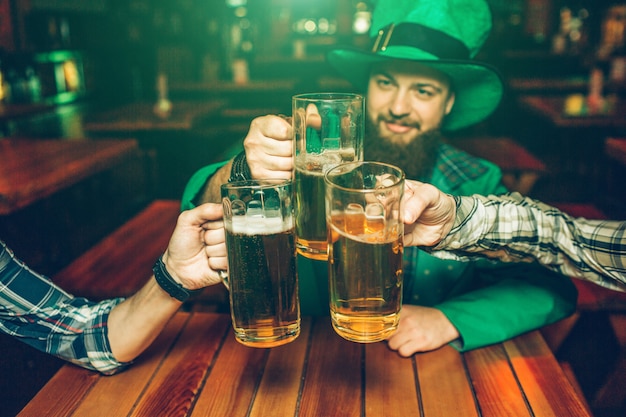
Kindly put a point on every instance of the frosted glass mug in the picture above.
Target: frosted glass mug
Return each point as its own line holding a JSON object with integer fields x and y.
{"x": 328, "y": 130}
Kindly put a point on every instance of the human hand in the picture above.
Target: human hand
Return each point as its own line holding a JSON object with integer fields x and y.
{"x": 197, "y": 249}
{"x": 269, "y": 148}
{"x": 421, "y": 329}
{"x": 428, "y": 214}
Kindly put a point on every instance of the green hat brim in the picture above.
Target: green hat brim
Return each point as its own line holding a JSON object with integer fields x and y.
{"x": 477, "y": 86}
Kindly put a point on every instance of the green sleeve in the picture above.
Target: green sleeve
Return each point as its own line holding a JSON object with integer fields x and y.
{"x": 196, "y": 184}
{"x": 502, "y": 301}
{"x": 513, "y": 299}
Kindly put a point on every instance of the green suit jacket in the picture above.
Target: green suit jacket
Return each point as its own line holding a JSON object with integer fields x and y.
{"x": 487, "y": 301}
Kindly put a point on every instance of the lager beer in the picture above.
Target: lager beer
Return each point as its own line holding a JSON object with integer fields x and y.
{"x": 365, "y": 249}
{"x": 365, "y": 278}
{"x": 310, "y": 194}
{"x": 263, "y": 289}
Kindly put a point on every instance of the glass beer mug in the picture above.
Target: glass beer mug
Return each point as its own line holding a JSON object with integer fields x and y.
{"x": 327, "y": 130}
{"x": 262, "y": 274}
{"x": 365, "y": 249}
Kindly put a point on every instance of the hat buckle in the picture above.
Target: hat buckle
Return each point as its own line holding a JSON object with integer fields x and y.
{"x": 385, "y": 32}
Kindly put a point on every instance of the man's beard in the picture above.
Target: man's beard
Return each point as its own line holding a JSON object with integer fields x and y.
{"x": 416, "y": 159}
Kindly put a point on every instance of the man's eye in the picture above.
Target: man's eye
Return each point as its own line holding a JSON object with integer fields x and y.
{"x": 383, "y": 82}
{"x": 423, "y": 92}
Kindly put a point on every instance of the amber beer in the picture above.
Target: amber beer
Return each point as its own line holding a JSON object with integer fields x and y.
{"x": 310, "y": 193}
{"x": 263, "y": 293}
{"x": 364, "y": 249}
{"x": 366, "y": 280}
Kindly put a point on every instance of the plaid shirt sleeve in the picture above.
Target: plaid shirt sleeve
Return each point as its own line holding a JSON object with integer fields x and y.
{"x": 516, "y": 228}
{"x": 42, "y": 315}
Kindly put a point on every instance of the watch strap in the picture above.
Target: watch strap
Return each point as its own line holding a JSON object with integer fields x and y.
{"x": 240, "y": 171}
{"x": 165, "y": 281}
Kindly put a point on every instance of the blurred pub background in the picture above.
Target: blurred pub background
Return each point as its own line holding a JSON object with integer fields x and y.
{"x": 66, "y": 61}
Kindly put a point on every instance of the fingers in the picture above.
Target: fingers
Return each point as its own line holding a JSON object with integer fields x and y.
{"x": 405, "y": 348}
{"x": 266, "y": 166}
{"x": 218, "y": 263}
{"x": 313, "y": 119}
{"x": 416, "y": 200}
{"x": 202, "y": 215}
{"x": 269, "y": 147}
{"x": 274, "y": 128}
{"x": 214, "y": 237}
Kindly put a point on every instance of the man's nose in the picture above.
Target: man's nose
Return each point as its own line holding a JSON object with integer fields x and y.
{"x": 400, "y": 105}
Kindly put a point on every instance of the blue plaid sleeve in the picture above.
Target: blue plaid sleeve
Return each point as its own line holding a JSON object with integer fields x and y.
{"x": 44, "y": 316}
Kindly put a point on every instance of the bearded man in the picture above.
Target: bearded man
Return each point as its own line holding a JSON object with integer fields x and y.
{"x": 420, "y": 80}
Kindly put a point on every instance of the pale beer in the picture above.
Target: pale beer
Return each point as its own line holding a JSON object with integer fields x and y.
{"x": 365, "y": 277}
{"x": 310, "y": 194}
{"x": 327, "y": 131}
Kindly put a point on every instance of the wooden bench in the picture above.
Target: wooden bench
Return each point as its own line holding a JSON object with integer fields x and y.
{"x": 520, "y": 168}
{"x": 122, "y": 262}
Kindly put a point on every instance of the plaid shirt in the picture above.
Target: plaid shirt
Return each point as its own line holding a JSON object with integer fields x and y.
{"x": 515, "y": 228}
{"x": 42, "y": 315}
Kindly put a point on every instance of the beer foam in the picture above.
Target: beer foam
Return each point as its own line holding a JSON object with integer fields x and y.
{"x": 372, "y": 236}
{"x": 259, "y": 225}
{"x": 329, "y": 158}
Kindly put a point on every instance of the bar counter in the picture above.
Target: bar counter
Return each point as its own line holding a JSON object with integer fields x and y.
{"x": 140, "y": 117}
{"x": 196, "y": 368}
{"x": 33, "y": 169}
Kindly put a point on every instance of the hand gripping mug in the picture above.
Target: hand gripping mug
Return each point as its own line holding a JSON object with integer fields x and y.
{"x": 328, "y": 130}
{"x": 365, "y": 249}
{"x": 262, "y": 275}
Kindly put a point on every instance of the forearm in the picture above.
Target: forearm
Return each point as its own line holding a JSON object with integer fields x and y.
{"x": 514, "y": 228}
{"x": 135, "y": 323}
{"x": 47, "y": 318}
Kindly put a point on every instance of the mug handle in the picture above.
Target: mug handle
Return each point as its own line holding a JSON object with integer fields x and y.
{"x": 224, "y": 277}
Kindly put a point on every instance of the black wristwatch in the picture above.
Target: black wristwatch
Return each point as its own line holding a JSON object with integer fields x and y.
{"x": 240, "y": 171}
{"x": 165, "y": 281}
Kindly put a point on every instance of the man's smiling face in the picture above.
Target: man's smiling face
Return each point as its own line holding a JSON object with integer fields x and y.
{"x": 406, "y": 99}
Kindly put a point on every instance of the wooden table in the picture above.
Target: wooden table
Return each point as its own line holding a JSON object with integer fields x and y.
{"x": 571, "y": 146}
{"x": 559, "y": 85}
{"x": 15, "y": 110}
{"x": 33, "y": 169}
{"x": 196, "y": 368}
{"x": 552, "y": 85}
{"x": 176, "y": 141}
{"x": 551, "y": 109}
{"x": 140, "y": 117}
{"x": 222, "y": 87}
{"x": 12, "y": 111}
{"x": 262, "y": 94}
